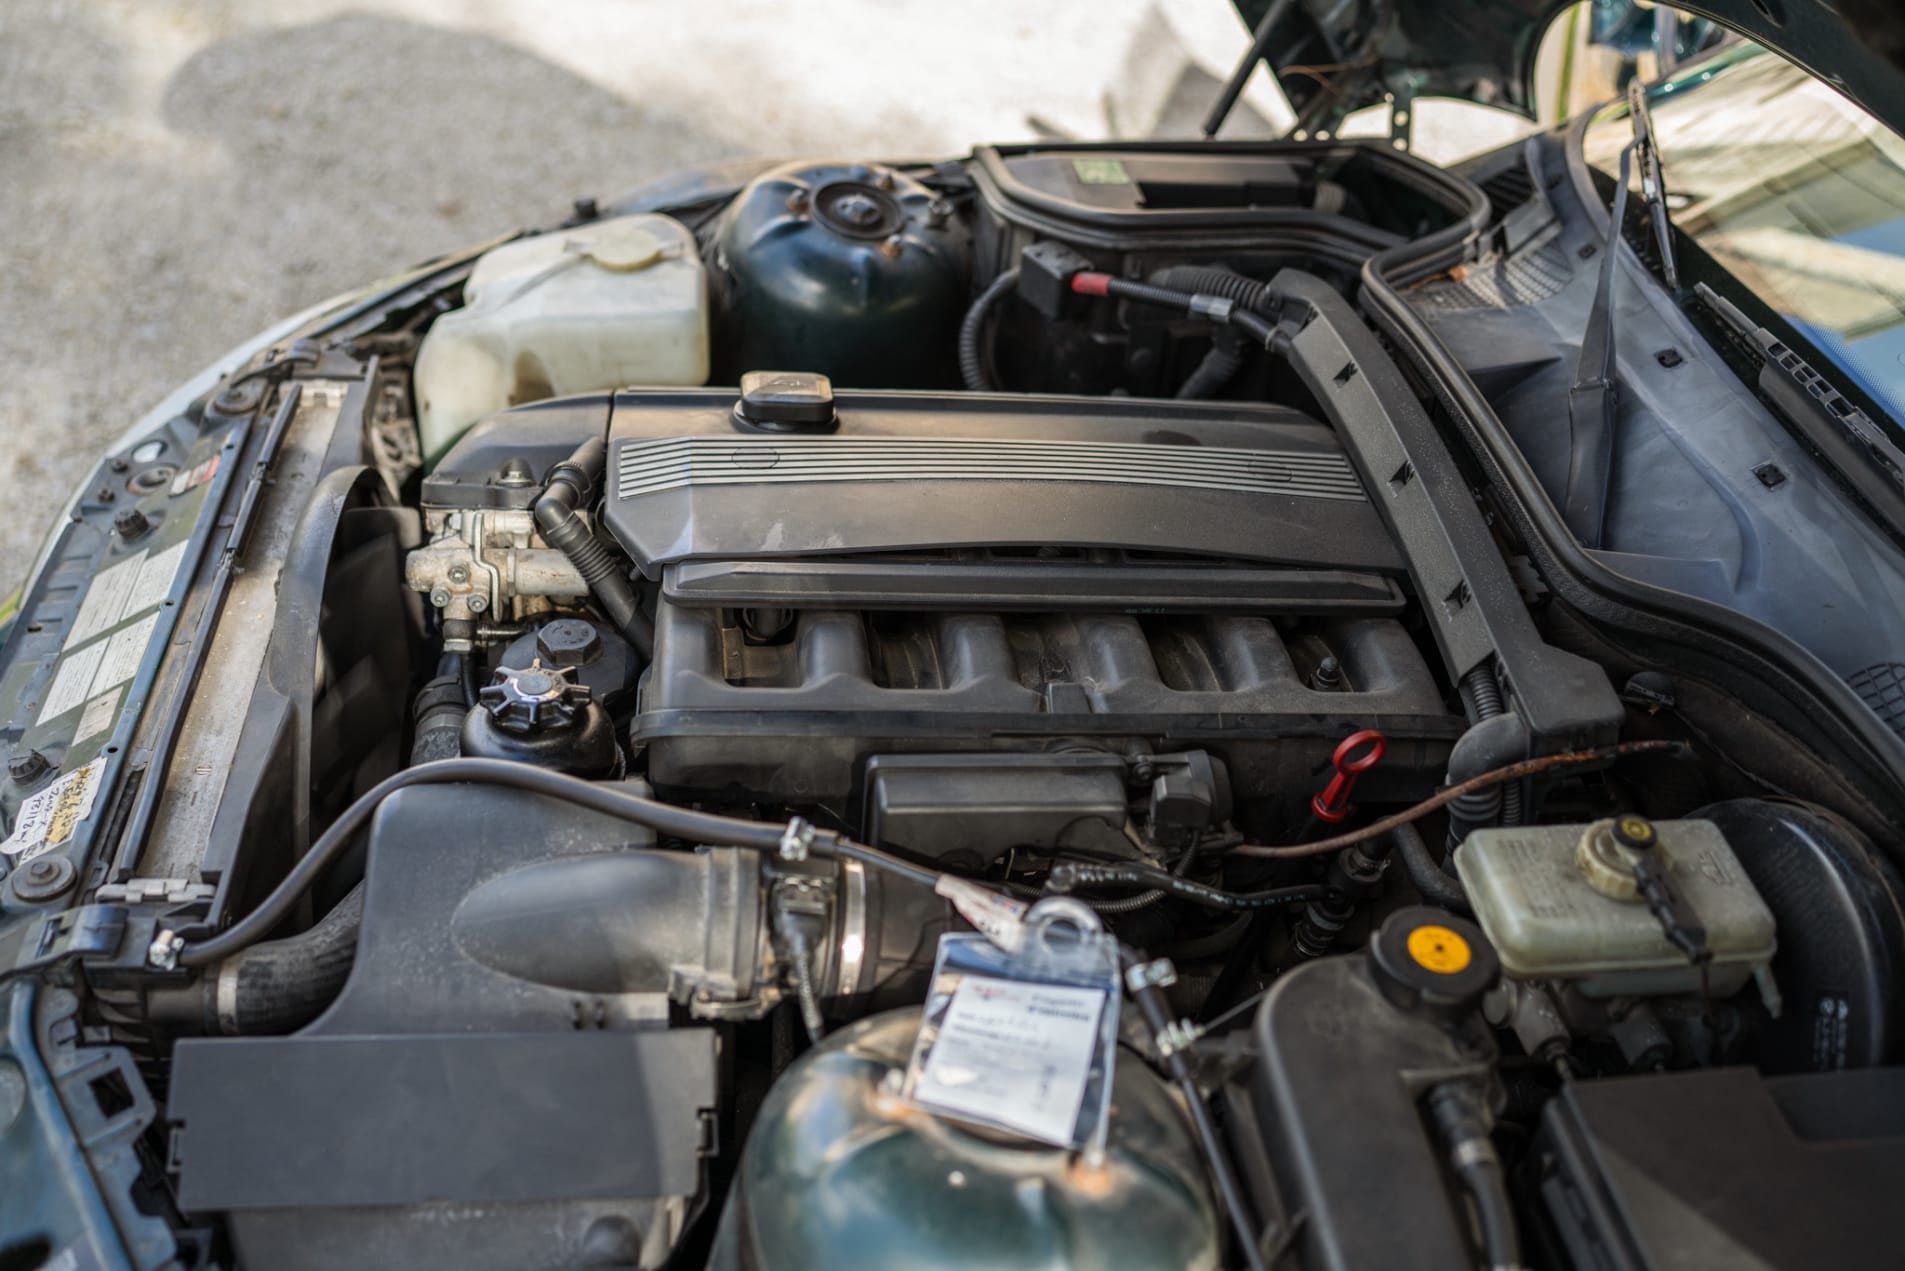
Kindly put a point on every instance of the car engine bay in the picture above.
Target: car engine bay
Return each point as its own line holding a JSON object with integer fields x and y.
{"x": 634, "y": 646}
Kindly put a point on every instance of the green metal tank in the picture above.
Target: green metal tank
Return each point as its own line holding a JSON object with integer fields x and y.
{"x": 851, "y": 270}
{"x": 840, "y": 1172}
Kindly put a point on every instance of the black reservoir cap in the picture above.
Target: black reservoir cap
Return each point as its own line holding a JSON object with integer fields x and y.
{"x": 1424, "y": 959}
{"x": 786, "y": 401}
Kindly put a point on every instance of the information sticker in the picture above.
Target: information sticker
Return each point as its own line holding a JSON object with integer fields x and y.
{"x": 1015, "y": 1054}
{"x": 48, "y": 817}
{"x": 1020, "y": 1030}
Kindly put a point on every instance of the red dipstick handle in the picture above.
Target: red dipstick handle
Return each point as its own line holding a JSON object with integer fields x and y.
{"x": 1357, "y": 754}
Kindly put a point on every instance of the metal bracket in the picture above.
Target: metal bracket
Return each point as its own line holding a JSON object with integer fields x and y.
{"x": 1402, "y": 118}
{"x": 1155, "y": 974}
{"x": 140, "y": 891}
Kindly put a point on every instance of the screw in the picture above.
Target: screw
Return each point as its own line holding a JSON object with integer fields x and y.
{"x": 119, "y": 463}
{"x": 516, "y": 474}
{"x": 477, "y": 604}
{"x": 27, "y": 767}
{"x": 459, "y": 573}
{"x": 42, "y": 871}
{"x": 105, "y": 494}
{"x": 440, "y": 597}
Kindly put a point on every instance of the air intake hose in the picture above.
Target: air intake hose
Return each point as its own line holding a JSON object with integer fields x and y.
{"x": 568, "y": 488}
{"x": 275, "y": 986}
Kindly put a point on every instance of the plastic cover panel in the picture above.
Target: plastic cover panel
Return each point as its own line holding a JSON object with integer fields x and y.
{"x": 917, "y": 471}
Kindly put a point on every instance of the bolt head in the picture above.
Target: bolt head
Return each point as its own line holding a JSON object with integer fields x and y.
{"x": 131, "y": 523}
{"x": 478, "y": 604}
{"x": 440, "y": 597}
{"x": 459, "y": 573}
{"x": 28, "y": 766}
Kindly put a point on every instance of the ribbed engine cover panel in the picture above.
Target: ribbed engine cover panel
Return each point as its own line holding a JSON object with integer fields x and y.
{"x": 673, "y": 463}
{"x": 920, "y": 471}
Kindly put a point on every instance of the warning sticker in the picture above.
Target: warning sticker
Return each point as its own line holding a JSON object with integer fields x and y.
{"x": 1100, "y": 172}
{"x": 105, "y": 602}
{"x": 73, "y": 682}
{"x": 155, "y": 580}
{"x": 97, "y": 717}
{"x": 192, "y": 478}
{"x": 48, "y": 817}
{"x": 1014, "y": 1053}
{"x": 123, "y": 653}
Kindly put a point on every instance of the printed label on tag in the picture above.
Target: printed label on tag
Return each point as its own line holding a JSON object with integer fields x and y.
{"x": 47, "y": 817}
{"x": 1014, "y": 1053}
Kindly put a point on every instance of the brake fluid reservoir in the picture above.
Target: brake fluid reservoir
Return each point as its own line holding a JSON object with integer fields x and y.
{"x": 840, "y": 1171}
{"x": 1562, "y": 903}
{"x": 617, "y": 302}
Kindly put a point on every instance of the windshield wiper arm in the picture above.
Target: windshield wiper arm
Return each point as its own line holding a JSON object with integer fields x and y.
{"x": 1653, "y": 187}
{"x": 1591, "y": 393}
{"x": 1846, "y": 436}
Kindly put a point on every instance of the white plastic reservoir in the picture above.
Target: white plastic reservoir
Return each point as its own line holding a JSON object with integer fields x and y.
{"x": 618, "y": 302}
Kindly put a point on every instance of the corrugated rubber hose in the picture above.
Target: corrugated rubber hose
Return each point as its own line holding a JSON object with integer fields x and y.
{"x": 972, "y": 344}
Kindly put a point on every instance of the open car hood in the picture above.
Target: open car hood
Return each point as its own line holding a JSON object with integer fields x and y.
{"x": 1336, "y": 56}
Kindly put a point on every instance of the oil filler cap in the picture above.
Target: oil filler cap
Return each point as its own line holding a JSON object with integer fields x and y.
{"x": 1429, "y": 961}
{"x": 786, "y": 401}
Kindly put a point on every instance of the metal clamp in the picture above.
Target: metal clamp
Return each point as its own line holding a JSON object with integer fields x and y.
{"x": 1145, "y": 975}
{"x": 797, "y": 840}
{"x": 1179, "y": 1034}
{"x": 163, "y": 952}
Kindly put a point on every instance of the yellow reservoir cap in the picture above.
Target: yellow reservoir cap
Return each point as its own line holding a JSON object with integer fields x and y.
{"x": 1439, "y": 949}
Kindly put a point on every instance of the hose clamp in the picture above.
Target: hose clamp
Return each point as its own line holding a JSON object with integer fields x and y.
{"x": 163, "y": 952}
{"x": 1179, "y": 1034}
{"x": 1217, "y": 308}
{"x": 797, "y": 840}
{"x": 1159, "y": 974}
{"x": 1474, "y": 1151}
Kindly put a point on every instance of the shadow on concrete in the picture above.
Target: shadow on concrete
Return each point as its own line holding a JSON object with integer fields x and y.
{"x": 300, "y": 161}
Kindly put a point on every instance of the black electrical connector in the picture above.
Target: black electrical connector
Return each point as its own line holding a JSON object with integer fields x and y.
{"x": 1046, "y": 271}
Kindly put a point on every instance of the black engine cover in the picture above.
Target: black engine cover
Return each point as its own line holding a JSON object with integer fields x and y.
{"x": 909, "y": 472}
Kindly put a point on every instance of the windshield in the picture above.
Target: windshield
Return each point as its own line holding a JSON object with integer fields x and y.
{"x": 1796, "y": 192}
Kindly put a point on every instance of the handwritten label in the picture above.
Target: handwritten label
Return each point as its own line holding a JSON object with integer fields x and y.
{"x": 48, "y": 817}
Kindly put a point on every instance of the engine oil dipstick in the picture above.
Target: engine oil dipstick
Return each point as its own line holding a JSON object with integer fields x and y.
{"x": 1355, "y": 755}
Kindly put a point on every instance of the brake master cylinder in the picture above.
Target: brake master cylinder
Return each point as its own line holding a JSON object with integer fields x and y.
{"x": 1622, "y": 907}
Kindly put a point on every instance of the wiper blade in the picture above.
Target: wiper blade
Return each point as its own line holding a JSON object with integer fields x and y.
{"x": 1652, "y": 187}
{"x": 1851, "y": 441}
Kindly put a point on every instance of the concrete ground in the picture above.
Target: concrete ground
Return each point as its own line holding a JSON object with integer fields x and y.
{"x": 177, "y": 174}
